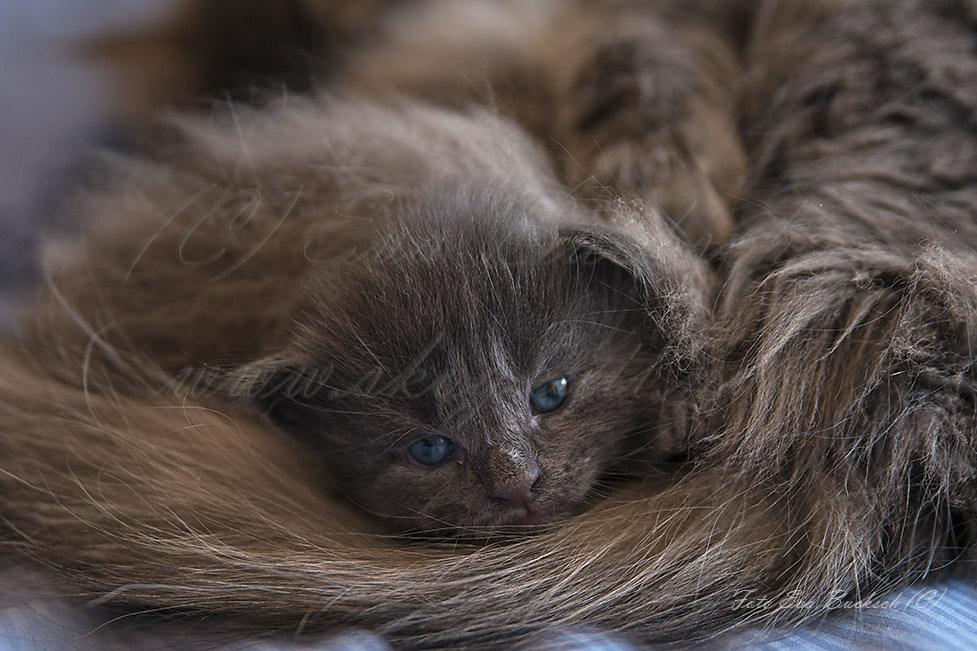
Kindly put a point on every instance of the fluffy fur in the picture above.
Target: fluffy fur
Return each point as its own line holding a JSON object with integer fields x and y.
{"x": 838, "y": 359}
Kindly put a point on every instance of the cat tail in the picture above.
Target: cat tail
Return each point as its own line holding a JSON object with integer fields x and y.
{"x": 161, "y": 503}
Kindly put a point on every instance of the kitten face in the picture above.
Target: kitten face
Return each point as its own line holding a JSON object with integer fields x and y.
{"x": 472, "y": 380}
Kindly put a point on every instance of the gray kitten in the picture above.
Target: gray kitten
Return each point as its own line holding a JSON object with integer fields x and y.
{"x": 403, "y": 289}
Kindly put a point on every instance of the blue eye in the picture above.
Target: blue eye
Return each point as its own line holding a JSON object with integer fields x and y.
{"x": 548, "y": 397}
{"x": 432, "y": 450}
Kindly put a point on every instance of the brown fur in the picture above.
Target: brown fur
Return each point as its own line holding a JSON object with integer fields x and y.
{"x": 627, "y": 96}
{"x": 839, "y": 360}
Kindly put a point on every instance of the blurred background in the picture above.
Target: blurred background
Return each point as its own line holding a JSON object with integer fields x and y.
{"x": 55, "y": 105}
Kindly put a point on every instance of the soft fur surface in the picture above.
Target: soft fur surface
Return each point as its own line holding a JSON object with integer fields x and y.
{"x": 833, "y": 370}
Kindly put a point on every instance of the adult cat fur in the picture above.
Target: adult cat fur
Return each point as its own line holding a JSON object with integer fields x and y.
{"x": 626, "y": 96}
{"x": 844, "y": 373}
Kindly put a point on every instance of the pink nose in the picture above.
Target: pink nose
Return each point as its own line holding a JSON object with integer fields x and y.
{"x": 518, "y": 490}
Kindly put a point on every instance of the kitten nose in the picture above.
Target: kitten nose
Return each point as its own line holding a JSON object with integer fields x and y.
{"x": 518, "y": 490}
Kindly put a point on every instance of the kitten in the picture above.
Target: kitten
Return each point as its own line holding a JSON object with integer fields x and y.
{"x": 403, "y": 289}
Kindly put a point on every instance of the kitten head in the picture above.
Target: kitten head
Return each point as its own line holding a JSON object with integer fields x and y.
{"x": 470, "y": 376}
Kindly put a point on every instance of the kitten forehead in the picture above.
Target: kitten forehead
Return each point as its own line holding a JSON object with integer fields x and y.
{"x": 512, "y": 297}
{"x": 449, "y": 274}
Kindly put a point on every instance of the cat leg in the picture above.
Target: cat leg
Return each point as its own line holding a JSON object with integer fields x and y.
{"x": 646, "y": 108}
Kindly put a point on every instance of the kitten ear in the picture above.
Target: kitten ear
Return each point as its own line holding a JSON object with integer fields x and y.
{"x": 611, "y": 259}
{"x": 645, "y": 261}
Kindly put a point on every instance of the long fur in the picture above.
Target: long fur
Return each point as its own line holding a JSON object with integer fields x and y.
{"x": 838, "y": 360}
